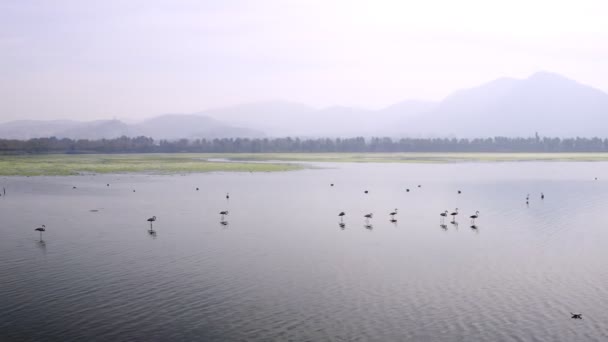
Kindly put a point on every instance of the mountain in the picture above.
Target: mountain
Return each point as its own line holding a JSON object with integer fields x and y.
{"x": 279, "y": 119}
{"x": 545, "y": 102}
{"x": 27, "y": 129}
{"x": 94, "y": 130}
{"x": 163, "y": 127}
{"x": 190, "y": 126}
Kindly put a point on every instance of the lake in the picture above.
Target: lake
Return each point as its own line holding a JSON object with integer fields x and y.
{"x": 283, "y": 269}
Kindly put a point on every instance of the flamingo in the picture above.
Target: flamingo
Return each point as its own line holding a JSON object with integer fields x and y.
{"x": 473, "y": 217}
{"x": 151, "y": 219}
{"x": 341, "y": 214}
{"x": 368, "y": 216}
{"x": 41, "y": 229}
{"x": 224, "y": 213}
{"x": 454, "y": 215}
{"x": 393, "y": 219}
{"x": 443, "y": 215}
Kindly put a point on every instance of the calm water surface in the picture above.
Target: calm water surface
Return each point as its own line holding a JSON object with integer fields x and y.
{"x": 283, "y": 269}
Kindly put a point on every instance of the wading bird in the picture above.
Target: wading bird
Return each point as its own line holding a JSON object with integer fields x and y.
{"x": 224, "y": 213}
{"x": 454, "y": 215}
{"x": 368, "y": 216}
{"x": 443, "y": 215}
{"x": 151, "y": 219}
{"x": 41, "y": 229}
{"x": 341, "y": 215}
{"x": 473, "y": 217}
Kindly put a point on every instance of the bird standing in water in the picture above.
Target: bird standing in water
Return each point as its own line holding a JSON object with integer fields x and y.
{"x": 41, "y": 229}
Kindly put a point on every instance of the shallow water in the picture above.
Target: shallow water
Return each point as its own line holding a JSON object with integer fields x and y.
{"x": 283, "y": 269}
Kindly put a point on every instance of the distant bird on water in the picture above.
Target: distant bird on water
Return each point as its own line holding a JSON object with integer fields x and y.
{"x": 394, "y": 212}
{"x": 443, "y": 215}
{"x": 473, "y": 217}
{"x": 407, "y": 190}
{"x": 459, "y": 191}
{"x": 41, "y": 229}
{"x": 108, "y": 184}
{"x": 366, "y": 191}
{"x": 420, "y": 186}
{"x": 332, "y": 184}
{"x": 227, "y": 196}
{"x": 196, "y": 189}
{"x": 576, "y": 315}
{"x": 151, "y": 219}
{"x": 542, "y": 196}
{"x": 454, "y": 213}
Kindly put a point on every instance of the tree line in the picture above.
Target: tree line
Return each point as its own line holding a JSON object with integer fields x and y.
{"x": 320, "y": 145}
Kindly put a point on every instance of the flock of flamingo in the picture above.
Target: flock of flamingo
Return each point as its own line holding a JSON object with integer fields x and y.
{"x": 443, "y": 215}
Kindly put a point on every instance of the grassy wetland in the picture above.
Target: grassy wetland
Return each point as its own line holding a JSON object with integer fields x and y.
{"x": 66, "y": 165}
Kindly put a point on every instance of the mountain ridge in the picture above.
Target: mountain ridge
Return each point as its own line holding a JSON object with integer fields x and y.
{"x": 544, "y": 101}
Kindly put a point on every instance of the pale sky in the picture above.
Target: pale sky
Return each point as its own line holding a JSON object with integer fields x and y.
{"x": 133, "y": 59}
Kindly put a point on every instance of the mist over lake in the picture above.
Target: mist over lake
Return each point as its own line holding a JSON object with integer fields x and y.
{"x": 283, "y": 269}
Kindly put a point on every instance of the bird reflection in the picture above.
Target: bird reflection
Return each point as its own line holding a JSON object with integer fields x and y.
{"x": 443, "y": 226}
{"x": 342, "y": 225}
{"x": 393, "y": 221}
{"x": 152, "y": 233}
{"x": 42, "y": 245}
{"x": 368, "y": 226}
{"x": 224, "y": 223}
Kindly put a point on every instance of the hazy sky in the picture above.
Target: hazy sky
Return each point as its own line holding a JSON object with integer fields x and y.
{"x": 133, "y": 59}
